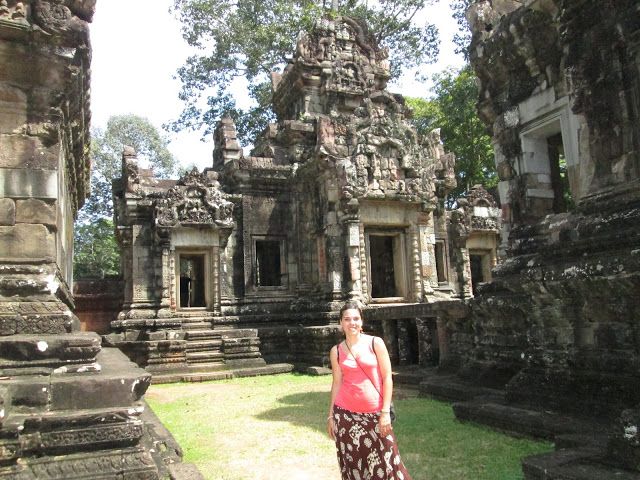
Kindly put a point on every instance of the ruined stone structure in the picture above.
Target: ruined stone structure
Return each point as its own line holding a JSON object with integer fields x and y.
{"x": 69, "y": 409}
{"x": 558, "y": 325}
{"x": 340, "y": 199}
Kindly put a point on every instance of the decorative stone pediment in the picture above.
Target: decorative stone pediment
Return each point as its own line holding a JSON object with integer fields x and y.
{"x": 195, "y": 200}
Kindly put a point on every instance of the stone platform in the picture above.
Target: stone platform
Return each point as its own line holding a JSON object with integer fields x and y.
{"x": 204, "y": 376}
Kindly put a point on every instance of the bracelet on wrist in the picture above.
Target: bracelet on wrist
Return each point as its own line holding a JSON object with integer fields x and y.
{"x": 384, "y": 411}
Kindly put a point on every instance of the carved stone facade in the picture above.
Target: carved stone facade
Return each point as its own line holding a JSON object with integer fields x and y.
{"x": 69, "y": 408}
{"x": 340, "y": 199}
{"x": 560, "y": 88}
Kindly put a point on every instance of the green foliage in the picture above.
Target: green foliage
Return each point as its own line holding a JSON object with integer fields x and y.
{"x": 290, "y": 411}
{"x": 453, "y": 110}
{"x": 462, "y": 38}
{"x": 96, "y": 248}
{"x": 252, "y": 38}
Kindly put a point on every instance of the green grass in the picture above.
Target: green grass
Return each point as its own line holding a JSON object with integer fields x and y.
{"x": 274, "y": 428}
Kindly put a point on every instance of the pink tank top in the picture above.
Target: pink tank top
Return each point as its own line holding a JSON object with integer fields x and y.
{"x": 357, "y": 393}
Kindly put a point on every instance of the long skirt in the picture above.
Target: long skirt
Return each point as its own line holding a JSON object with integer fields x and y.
{"x": 362, "y": 453}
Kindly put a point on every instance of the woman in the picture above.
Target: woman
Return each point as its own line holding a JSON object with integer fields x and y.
{"x": 359, "y": 420}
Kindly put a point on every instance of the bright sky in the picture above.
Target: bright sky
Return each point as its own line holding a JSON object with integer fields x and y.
{"x": 137, "y": 48}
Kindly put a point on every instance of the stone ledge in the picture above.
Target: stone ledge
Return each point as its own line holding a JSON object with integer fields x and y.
{"x": 521, "y": 421}
{"x": 451, "y": 389}
{"x": 572, "y": 464}
{"x": 222, "y": 374}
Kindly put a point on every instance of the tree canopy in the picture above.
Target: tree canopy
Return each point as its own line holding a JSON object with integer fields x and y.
{"x": 95, "y": 246}
{"x": 252, "y": 38}
{"x": 453, "y": 110}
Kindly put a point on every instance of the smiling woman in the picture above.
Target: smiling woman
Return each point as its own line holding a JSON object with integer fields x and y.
{"x": 360, "y": 408}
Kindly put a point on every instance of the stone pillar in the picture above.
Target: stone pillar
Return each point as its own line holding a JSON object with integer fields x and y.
{"x": 425, "y": 328}
{"x": 404, "y": 343}
{"x": 165, "y": 278}
{"x": 69, "y": 407}
{"x": 354, "y": 255}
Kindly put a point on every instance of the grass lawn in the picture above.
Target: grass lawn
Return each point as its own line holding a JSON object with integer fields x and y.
{"x": 273, "y": 427}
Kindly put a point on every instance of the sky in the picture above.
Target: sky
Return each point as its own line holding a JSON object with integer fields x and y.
{"x": 137, "y": 49}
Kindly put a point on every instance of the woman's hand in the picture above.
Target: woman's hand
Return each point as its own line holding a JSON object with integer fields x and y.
{"x": 385, "y": 424}
{"x": 330, "y": 429}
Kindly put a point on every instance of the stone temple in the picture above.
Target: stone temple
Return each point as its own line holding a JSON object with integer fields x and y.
{"x": 524, "y": 313}
{"x": 340, "y": 199}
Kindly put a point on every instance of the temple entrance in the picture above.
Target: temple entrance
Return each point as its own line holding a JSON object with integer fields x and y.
{"x": 268, "y": 263}
{"x": 386, "y": 264}
{"x": 192, "y": 281}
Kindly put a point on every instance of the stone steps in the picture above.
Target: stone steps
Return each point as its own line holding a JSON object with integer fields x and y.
{"x": 203, "y": 345}
{"x": 451, "y": 388}
{"x": 201, "y": 335}
{"x": 204, "y": 356}
{"x": 188, "y": 326}
{"x": 193, "y": 375}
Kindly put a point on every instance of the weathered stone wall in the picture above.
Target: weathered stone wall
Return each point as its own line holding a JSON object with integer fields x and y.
{"x": 98, "y": 302}
{"x": 70, "y": 409}
{"x": 558, "y": 324}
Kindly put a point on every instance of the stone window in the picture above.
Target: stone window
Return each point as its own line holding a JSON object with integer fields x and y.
{"x": 442, "y": 266}
{"x": 191, "y": 287}
{"x": 269, "y": 262}
{"x": 549, "y": 159}
{"x": 387, "y": 266}
{"x": 562, "y": 199}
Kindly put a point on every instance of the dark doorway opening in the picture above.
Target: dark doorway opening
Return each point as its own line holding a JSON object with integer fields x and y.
{"x": 441, "y": 262}
{"x": 562, "y": 199}
{"x": 383, "y": 281}
{"x": 192, "y": 281}
{"x": 268, "y": 263}
{"x": 477, "y": 272}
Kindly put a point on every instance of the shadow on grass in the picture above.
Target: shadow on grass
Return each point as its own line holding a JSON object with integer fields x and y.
{"x": 302, "y": 409}
{"x": 432, "y": 442}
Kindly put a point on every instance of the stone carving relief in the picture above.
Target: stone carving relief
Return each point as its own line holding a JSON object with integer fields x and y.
{"x": 196, "y": 199}
{"x": 53, "y": 16}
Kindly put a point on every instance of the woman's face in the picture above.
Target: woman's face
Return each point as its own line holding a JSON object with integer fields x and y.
{"x": 351, "y": 321}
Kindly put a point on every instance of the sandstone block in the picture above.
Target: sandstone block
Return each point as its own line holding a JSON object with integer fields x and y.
{"x": 27, "y": 241}
{"x": 24, "y": 183}
{"x": 24, "y": 151}
{"x": 35, "y": 211}
{"x": 13, "y": 108}
{"x": 7, "y": 211}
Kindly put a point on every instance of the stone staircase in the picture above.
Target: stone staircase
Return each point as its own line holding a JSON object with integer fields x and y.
{"x": 218, "y": 352}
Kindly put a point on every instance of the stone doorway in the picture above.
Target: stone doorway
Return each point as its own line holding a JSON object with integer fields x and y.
{"x": 386, "y": 266}
{"x": 192, "y": 281}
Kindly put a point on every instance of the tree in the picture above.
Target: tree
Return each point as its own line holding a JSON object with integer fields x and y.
{"x": 252, "y": 38}
{"x": 96, "y": 252}
{"x": 453, "y": 110}
{"x": 462, "y": 38}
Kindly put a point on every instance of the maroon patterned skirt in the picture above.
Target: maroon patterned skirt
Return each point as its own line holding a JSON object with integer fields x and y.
{"x": 362, "y": 453}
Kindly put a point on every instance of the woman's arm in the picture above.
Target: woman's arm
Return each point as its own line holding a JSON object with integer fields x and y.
{"x": 384, "y": 362}
{"x": 335, "y": 386}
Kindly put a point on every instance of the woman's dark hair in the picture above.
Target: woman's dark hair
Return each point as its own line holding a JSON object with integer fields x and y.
{"x": 350, "y": 305}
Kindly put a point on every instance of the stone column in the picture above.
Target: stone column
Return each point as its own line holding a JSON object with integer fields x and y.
{"x": 404, "y": 343}
{"x": 68, "y": 405}
{"x": 354, "y": 255}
